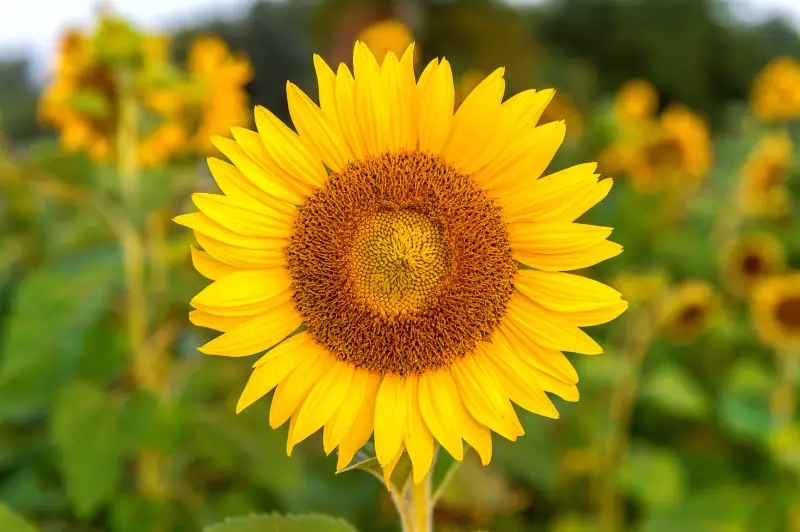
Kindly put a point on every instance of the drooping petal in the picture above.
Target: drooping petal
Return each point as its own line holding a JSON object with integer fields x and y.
{"x": 290, "y": 393}
{"x": 390, "y": 418}
{"x": 418, "y": 438}
{"x": 547, "y": 328}
{"x": 324, "y": 400}
{"x": 257, "y": 334}
{"x": 275, "y": 366}
{"x": 437, "y": 403}
{"x": 361, "y": 429}
{"x": 343, "y": 418}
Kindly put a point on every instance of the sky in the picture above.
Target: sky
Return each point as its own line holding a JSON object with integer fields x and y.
{"x": 31, "y": 27}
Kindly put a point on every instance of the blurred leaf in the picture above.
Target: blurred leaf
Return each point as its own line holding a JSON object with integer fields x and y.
{"x": 716, "y": 510}
{"x": 47, "y": 329}
{"x": 745, "y": 400}
{"x": 645, "y": 464}
{"x": 11, "y": 522}
{"x": 85, "y": 431}
{"x": 282, "y": 523}
{"x": 674, "y": 390}
{"x": 572, "y": 523}
{"x": 137, "y": 420}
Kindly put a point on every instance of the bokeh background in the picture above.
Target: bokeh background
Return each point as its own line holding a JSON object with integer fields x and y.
{"x": 111, "y": 420}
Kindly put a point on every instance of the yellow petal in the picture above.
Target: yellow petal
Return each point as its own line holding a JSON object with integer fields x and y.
{"x": 418, "y": 438}
{"x": 477, "y": 436}
{"x": 243, "y": 288}
{"x": 436, "y": 100}
{"x": 208, "y": 266}
{"x": 326, "y": 88}
{"x": 253, "y": 145}
{"x": 325, "y": 398}
{"x": 555, "y": 238}
{"x": 291, "y": 393}
{"x": 237, "y": 187}
{"x": 388, "y": 469}
{"x": 256, "y": 174}
{"x": 565, "y": 292}
{"x": 275, "y": 366}
{"x": 287, "y": 150}
{"x": 409, "y": 106}
{"x": 482, "y": 399}
{"x": 547, "y": 199}
{"x": 346, "y": 109}
{"x": 218, "y": 323}
{"x": 343, "y": 418}
{"x": 587, "y": 318}
{"x": 569, "y": 260}
{"x": 427, "y": 75}
{"x": 550, "y": 361}
{"x": 523, "y": 161}
{"x": 439, "y": 404}
{"x": 359, "y": 433}
{"x": 201, "y": 223}
{"x": 263, "y": 222}
{"x": 525, "y": 392}
{"x": 244, "y": 258}
{"x": 372, "y": 116}
{"x": 258, "y": 334}
{"x": 547, "y": 328}
{"x": 396, "y": 115}
{"x": 390, "y": 418}
{"x": 475, "y": 122}
{"x": 322, "y": 140}
{"x": 571, "y": 211}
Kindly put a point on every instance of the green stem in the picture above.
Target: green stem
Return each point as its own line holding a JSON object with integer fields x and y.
{"x": 420, "y": 505}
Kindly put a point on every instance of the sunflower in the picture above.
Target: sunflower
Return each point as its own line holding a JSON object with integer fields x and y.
{"x": 636, "y": 101}
{"x": 775, "y": 95}
{"x": 675, "y": 152}
{"x": 80, "y": 101}
{"x": 775, "y": 309}
{"x": 749, "y": 258}
{"x": 386, "y": 36}
{"x": 688, "y": 309}
{"x": 402, "y": 265}
{"x": 762, "y": 181}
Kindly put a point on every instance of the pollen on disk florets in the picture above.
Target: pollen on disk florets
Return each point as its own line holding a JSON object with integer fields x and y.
{"x": 400, "y": 264}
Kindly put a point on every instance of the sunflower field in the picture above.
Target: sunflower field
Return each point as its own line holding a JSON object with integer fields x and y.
{"x": 416, "y": 266}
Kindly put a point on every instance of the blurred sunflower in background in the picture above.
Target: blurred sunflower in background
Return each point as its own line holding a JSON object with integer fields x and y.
{"x": 674, "y": 152}
{"x": 80, "y": 100}
{"x": 634, "y": 103}
{"x": 375, "y": 286}
{"x": 775, "y": 307}
{"x": 688, "y": 309}
{"x": 776, "y": 91}
{"x": 641, "y": 288}
{"x": 386, "y": 36}
{"x": 763, "y": 177}
{"x": 747, "y": 259}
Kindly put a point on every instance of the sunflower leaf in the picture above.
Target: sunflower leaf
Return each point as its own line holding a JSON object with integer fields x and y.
{"x": 363, "y": 460}
{"x": 11, "y": 522}
{"x": 282, "y": 523}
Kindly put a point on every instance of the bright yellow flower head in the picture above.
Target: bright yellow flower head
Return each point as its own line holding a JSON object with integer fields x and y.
{"x": 675, "y": 152}
{"x": 386, "y": 36}
{"x": 689, "y": 309}
{"x": 375, "y": 254}
{"x": 776, "y": 310}
{"x": 636, "y": 101}
{"x": 223, "y": 76}
{"x": 749, "y": 258}
{"x": 763, "y": 177}
{"x": 776, "y": 91}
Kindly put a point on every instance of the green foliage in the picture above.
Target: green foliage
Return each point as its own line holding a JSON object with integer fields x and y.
{"x": 282, "y": 523}
{"x": 86, "y": 435}
{"x": 11, "y": 522}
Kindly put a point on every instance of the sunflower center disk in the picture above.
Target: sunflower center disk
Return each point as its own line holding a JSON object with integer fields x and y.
{"x": 788, "y": 313}
{"x": 398, "y": 260}
{"x": 400, "y": 264}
